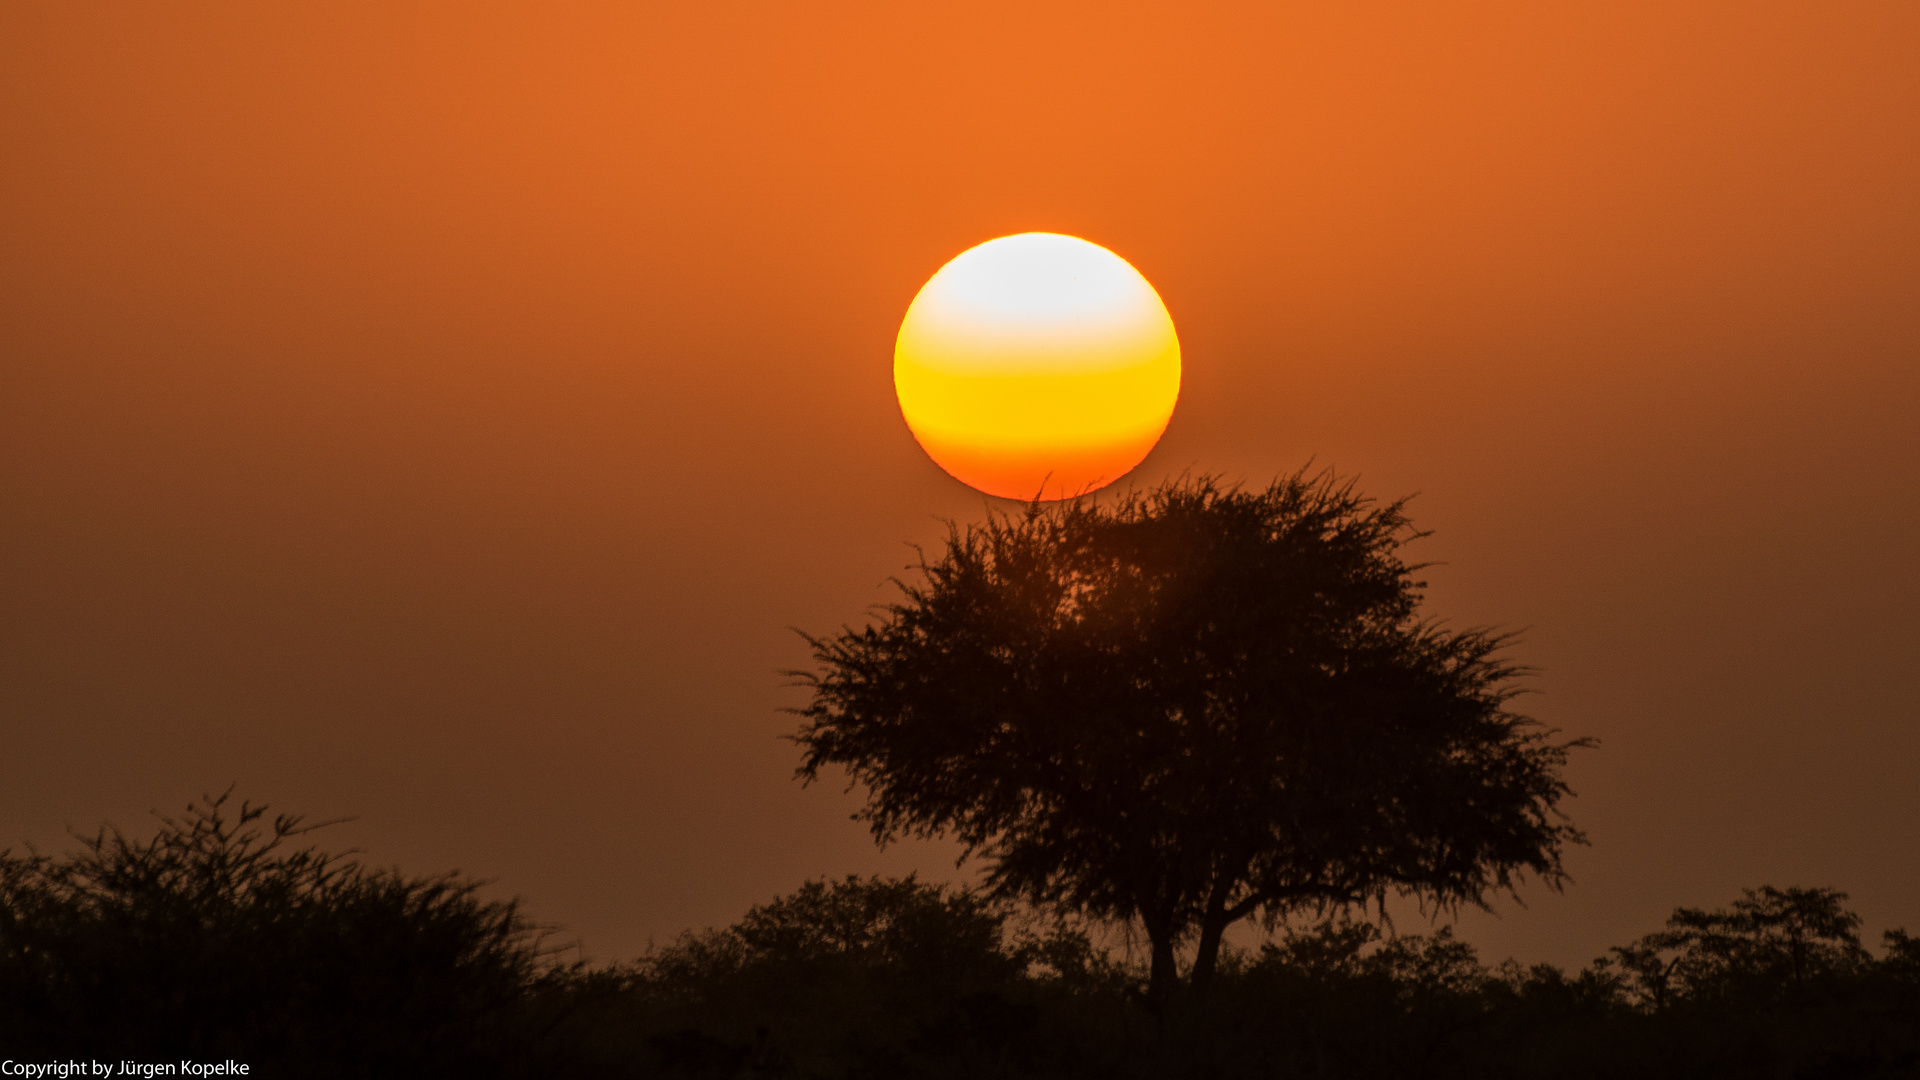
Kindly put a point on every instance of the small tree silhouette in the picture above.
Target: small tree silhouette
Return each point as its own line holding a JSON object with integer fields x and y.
{"x": 1190, "y": 707}
{"x": 1770, "y": 941}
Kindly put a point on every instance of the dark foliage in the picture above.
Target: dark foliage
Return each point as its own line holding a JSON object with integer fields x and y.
{"x": 217, "y": 937}
{"x": 855, "y": 978}
{"x": 1189, "y": 707}
{"x": 871, "y": 978}
{"x": 1772, "y": 943}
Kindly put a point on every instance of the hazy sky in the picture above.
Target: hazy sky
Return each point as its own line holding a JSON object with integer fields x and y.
{"x": 440, "y": 413}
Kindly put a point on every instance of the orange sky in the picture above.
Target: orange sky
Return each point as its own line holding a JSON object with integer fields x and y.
{"x": 441, "y": 415}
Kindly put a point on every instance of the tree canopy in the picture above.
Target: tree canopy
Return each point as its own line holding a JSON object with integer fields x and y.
{"x": 1190, "y": 706}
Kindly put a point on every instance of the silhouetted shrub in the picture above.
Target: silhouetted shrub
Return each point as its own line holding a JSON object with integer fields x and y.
{"x": 218, "y": 938}
{"x": 1772, "y": 942}
{"x": 1776, "y": 985}
{"x": 859, "y": 977}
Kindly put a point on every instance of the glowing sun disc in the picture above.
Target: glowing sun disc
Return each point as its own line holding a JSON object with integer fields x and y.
{"x": 1037, "y": 364}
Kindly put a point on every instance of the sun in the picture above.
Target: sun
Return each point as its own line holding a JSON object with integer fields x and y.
{"x": 1037, "y": 365}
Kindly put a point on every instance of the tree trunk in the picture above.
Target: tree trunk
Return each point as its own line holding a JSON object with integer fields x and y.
{"x": 1164, "y": 978}
{"x": 1213, "y": 926}
{"x": 1207, "y": 957}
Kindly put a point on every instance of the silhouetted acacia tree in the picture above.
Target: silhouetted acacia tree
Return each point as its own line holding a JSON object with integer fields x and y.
{"x": 1188, "y": 707}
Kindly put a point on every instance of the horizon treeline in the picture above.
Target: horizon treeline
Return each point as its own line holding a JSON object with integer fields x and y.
{"x": 223, "y": 935}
